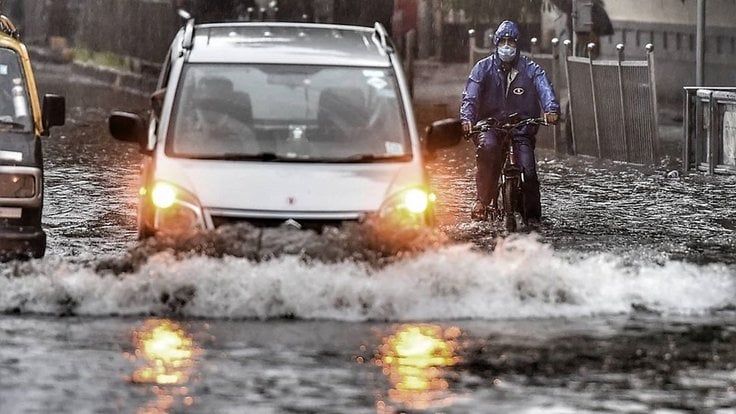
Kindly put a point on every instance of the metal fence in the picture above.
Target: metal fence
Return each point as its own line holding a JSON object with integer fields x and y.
{"x": 613, "y": 107}
{"x": 710, "y": 130}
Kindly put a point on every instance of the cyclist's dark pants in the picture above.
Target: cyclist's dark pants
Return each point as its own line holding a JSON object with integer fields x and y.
{"x": 489, "y": 161}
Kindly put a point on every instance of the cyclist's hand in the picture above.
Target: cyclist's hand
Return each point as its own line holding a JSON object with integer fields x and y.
{"x": 467, "y": 128}
{"x": 551, "y": 118}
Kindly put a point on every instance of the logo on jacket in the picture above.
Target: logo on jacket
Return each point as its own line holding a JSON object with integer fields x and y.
{"x": 519, "y": 91}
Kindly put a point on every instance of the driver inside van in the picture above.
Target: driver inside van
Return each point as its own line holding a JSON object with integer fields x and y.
{"x": 221, "y": 122}
{"x": 7, "y": 112}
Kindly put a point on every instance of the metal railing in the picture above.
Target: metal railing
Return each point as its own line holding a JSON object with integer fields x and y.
{"x": 710, "y": 130}
{"x": 613, "y": 106}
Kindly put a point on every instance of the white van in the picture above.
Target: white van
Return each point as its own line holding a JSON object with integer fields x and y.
{"x": 268, "y": 123}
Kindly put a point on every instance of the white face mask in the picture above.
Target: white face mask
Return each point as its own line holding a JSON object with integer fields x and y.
{"x": 507, "y": 53}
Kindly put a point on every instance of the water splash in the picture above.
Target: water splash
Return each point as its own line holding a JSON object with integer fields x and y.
{"x": 521, "y": 278}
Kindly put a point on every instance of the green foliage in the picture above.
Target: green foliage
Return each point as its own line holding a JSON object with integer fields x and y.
{"x": 105, "y": 59}
{"x": 494, "y": 10}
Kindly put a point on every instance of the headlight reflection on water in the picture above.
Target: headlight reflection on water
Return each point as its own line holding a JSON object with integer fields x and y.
{"x": 165, "y": 354}
{"x": 415, "y": 359}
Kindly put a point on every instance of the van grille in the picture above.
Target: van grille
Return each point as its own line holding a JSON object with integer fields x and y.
{"x": 310, "y": 224}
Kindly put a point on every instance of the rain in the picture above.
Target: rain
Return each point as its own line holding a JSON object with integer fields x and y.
{"x": 621, "y": 301}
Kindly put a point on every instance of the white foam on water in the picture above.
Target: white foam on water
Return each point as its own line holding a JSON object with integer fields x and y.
{"x": 522, "y": 278}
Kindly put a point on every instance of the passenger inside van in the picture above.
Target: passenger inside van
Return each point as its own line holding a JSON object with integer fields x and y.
{"x": 342, "y": 117}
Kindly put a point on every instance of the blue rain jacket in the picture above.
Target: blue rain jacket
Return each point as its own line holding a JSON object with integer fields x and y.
{"x": 529, "y": 94}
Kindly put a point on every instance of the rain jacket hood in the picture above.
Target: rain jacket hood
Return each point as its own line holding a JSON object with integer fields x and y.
{"x": 509, "y": 29}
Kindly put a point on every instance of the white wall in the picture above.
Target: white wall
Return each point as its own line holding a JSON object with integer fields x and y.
{"x": 719, "y": 13}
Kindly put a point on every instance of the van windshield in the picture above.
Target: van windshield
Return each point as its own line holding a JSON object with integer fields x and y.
{"x": 288, "y": 113}
{"x": 15, "y": 112}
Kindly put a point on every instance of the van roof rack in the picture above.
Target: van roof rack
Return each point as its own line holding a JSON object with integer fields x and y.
{"x": 7, "y": 27}
{"x": 188, "y": 19}
{"x": 383, "y": 37}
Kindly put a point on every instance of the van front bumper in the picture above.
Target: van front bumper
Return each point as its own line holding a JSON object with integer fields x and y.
{"x": 19, "y": 242}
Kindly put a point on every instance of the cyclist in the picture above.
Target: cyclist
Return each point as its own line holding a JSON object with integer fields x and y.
{"x": 502, "y": 84}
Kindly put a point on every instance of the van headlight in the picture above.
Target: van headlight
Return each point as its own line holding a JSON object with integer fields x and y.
{"x": 416, "y": 201}
{"x": 177, "y": 210}
{"x": 412, "y": 206}
{"x": 163, "y": 195}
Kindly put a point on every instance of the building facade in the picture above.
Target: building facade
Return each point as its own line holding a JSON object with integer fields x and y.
{"x": 670, "y": 26}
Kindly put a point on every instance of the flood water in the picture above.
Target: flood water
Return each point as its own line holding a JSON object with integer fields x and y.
{"x": 623, "y": 302}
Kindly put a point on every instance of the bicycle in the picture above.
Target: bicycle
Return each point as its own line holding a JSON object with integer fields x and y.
{"x": 509, "y": 198}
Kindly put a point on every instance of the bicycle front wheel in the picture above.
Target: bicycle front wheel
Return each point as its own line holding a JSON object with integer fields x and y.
{"x": 510, "y": 200}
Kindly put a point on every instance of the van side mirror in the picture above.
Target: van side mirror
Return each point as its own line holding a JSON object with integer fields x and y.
{"x": 53, "y": 112}
{"x": 128, "y": 127}
{"x": 442, "y": 134}
{"x": 157, "y": 102}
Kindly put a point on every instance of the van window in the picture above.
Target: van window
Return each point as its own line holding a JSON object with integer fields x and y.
{"x": 15, "y": 111}
{"x": 305, "y": 113}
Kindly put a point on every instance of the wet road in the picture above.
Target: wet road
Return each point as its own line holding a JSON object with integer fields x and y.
{"x": 623, "y": 303}
{"x": 589, "y": 205}
{"x": 600, "y": 206}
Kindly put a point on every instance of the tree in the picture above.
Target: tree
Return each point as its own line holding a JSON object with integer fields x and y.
{"x": 364, "y": 13}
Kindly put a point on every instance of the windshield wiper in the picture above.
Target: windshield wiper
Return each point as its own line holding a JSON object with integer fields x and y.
{"x": 264, "y": 156}
{"x": 273, "y": 157}
{"x": 370, "y": 158}
{"x": 261, "y": 156}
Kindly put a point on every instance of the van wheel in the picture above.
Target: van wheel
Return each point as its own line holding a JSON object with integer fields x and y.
{"x": 39, "y": 251}
{"x": 145, "y": 233}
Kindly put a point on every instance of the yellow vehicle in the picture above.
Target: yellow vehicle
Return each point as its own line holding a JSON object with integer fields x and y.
{"x": 23, "y": 121}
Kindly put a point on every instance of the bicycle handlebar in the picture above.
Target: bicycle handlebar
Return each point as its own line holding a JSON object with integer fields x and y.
{"x": 492, "y": 123}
